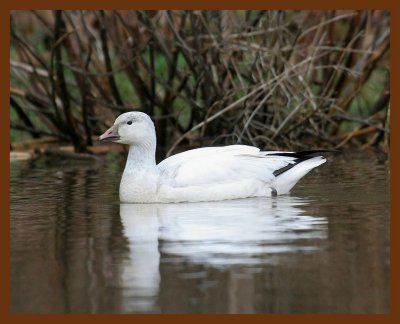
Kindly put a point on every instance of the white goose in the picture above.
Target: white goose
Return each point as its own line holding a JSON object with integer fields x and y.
{"x": 203, "y": 174}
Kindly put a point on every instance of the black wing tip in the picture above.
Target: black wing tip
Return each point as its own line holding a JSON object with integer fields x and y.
{"x": 304, "y": 154}
{"x": 299, "y": 158}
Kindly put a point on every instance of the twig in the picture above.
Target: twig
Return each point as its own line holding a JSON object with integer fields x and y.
{"x": 24, "y": 117}
{"x": 59, "y": 32}
{"x": 107, "y": 59}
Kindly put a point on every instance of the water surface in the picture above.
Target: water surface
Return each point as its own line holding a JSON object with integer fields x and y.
{"x": 322, "y": 249}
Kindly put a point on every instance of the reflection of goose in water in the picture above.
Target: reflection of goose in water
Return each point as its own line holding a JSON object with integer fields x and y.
{"x": 215, "y": 234}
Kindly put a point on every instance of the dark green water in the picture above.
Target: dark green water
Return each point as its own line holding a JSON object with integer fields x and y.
{"x": 322, "y": 249}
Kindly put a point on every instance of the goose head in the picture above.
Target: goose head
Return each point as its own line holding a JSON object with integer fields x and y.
{"x": 131, "y": 128}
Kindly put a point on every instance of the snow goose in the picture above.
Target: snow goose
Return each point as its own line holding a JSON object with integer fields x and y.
{"x": 203, "y": 174}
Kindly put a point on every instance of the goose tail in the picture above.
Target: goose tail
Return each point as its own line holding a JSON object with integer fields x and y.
{"x": 286, "y": 179}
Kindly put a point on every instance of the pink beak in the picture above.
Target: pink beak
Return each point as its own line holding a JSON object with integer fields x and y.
{"x": 110, "y": 135}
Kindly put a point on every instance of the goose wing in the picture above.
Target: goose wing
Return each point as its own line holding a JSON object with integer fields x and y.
{"x": 212, "y": 165}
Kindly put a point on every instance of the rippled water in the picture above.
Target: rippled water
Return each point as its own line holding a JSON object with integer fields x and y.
{"x": 322, "y": 249}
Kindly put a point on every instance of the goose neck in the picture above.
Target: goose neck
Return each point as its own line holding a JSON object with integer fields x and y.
{"x": 141, "y": 157}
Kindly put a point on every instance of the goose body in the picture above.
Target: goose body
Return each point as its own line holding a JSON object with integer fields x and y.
{"x": 203, "y": 174}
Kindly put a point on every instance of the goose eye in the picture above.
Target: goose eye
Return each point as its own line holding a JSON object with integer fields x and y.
{"x": 129, "y": 122}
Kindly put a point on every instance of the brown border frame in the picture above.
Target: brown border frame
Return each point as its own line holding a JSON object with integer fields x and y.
{"x": 393, "y": 6}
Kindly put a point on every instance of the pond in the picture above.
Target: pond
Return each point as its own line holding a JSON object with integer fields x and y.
{"x": 325, "y": 248}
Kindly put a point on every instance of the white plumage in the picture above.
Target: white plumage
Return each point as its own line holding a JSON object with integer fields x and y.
{"x": 204, "y": 174}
